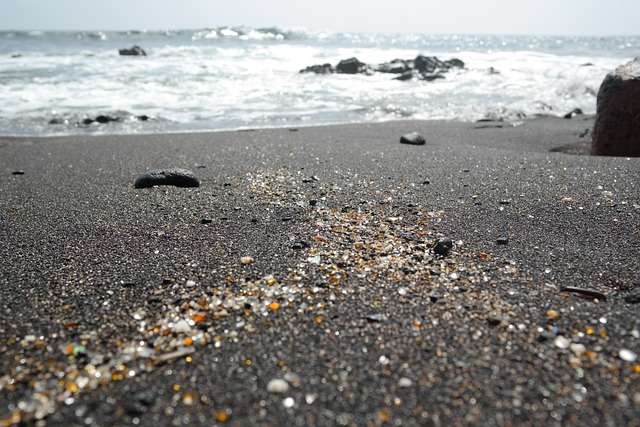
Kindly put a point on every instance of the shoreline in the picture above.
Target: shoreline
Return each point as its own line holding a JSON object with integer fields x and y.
{"x": 299, "y": 285}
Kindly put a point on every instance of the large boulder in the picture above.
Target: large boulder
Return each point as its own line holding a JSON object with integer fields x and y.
{"x": 616, "y": 131}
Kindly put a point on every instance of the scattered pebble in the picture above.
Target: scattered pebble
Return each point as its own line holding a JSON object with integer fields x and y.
{"x": 300, "y": 245}
{"x": 502, "y": 241}
{"x": 443, "y": 246}
{"x": 405, "y": 382}
{"x": 288, "y": 402}
{"x": 246, "y": 260}
{"x": 206, "y": 221}
{"x": 627, "y": 355}
{"x": 181, "y": 326}
{"x": 413, "y": 138}
{"x": 278, "y": 386}
{"x": 20, "y": 172}
{"x": 176, "y": 177}
{"x": 561, "y": 342}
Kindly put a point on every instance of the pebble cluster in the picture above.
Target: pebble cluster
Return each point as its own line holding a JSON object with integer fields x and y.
{"x": 371, "y": 248}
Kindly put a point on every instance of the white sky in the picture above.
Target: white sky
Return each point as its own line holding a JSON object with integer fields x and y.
{"x": 531, "y": 17}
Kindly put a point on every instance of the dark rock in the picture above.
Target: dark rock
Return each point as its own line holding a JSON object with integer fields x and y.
{"x": 413, "y": 138}
{"x": 319, "y": 69}
{"x": 432, "y": 77}
{"x": 502, "y": 241}
{"x": 546, "y": 336}
{"x": 434, "y": 297}
{"x": 633, "y": 298}
{"x": 495, "y": 320}
{"x": 616, "y": 131}
{"x": 573, "y": 113}
{"x": 20, "y": 172}
{"x": 58, "y": 121}
{"x": 133, "y": 51}
{"x": 351, "y": 66}
{"x": 407, "y": 75}
{"x": 176, "y": 177}
{"x": 106, "y": 119}
{"x": 505, "y": 202}
{"x": 300, "y": 245}
{"x": 422, "y": 67}
{"x": 585, "y": 292}
{"x": 206, "y": 221}
{"x": 443, "y": 246}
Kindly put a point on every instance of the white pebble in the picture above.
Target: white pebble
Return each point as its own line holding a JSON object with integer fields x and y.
{"x": 278, "y": 386}
{"x": 562, "y": 342}
{"x": 289, "y": 402}
{"x": 246, "y": 260}
{"x": 190, "y": 283}
{"x": 578, "y": 349}
{"x": 627, "y": 355}
{"x": 405, "y": 382}
{"x": 181, "y": 326}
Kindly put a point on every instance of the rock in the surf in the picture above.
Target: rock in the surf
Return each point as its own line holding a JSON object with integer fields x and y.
{"x": 133, "y": 51}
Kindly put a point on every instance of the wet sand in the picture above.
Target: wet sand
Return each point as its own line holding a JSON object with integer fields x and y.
{"x": 298, "y": 285}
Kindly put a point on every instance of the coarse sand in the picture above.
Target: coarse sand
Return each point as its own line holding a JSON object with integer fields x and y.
{"x": 298, "y": 284}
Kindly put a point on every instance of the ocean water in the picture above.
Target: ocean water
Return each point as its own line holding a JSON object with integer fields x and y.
{"x": 235, "y": 78}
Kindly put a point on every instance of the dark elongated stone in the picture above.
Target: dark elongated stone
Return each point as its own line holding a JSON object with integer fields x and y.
{"x": 584, "y": 292}
{"x": 413, "y": 138}
{"x": 176, "y": 177}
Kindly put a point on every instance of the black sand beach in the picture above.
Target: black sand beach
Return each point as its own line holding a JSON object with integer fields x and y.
{"x": 298, "y": 285}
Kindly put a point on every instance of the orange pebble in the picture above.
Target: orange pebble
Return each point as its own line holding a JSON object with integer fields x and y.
{"x": 274, "y": 306}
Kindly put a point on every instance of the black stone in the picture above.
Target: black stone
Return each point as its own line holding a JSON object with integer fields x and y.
{"x": 502, "y": 241}
{"x": 176, "y": 177}
{"x": 443, "y": 246}
{"x": 633, "y": 298}
{"x": 300, "y": 245}
{"x": 546, "y": 336}
{"x": 495, "y": 320}
{"x": 206, "y": 221}
{"x": 17, "y": 172}
{"x": 106, "y": 119}
{"x": 413, "y": 138}
{"x": 434, "y": 297}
